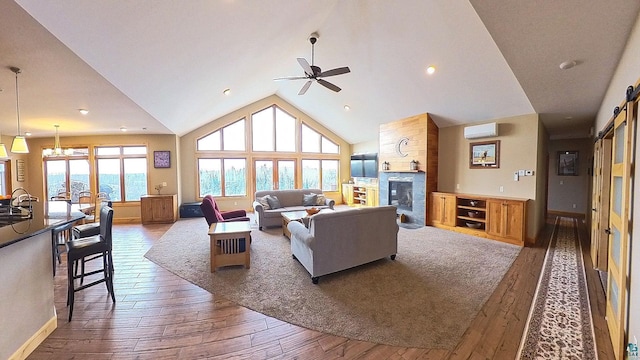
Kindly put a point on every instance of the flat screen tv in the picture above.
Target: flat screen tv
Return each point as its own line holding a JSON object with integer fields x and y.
{"x": 364, "y": 165}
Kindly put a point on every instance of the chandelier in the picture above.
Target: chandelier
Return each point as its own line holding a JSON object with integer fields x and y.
{"x": 57, "y": 149}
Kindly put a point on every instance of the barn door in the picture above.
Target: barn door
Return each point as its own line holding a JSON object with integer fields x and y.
{"x": 621, "y": 178}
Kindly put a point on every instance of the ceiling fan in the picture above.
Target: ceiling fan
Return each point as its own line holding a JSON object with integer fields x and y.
{"x": 312, "y": 72}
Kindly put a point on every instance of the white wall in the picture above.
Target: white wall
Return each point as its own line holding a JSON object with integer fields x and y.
{"x": 628, "y": 73}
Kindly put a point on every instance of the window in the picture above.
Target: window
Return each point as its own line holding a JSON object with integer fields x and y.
{"x": 229, "y": 138}
{"x": 316, "y": 172}
{"x": 273, "y": 156}
{"x": 122, "y": 172}
{"x": 314, "y": 142}
{"x": 273, "y": 130}
{"x": 310, "y": 174}
{"x": 5, "y": 177}
{"x": 67, "y": 175}
{"x": 233, "y": 182}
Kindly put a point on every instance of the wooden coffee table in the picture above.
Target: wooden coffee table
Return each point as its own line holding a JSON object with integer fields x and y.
{"x": 225, "y": 241}
{"x": 289, "y": 216}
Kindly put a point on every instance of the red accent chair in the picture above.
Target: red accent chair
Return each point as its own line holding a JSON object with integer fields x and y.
{"x": 213, "y": 214}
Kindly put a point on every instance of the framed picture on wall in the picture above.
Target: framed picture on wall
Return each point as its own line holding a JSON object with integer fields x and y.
{"x": 162, "y": 159}
{"x": 568, "y": 163}
{"x": 484, "y": 155}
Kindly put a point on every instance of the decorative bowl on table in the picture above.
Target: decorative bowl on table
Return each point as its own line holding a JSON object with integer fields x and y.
{"x": 312, "y": 211}
{"x": 474, "y": 214}
{"x": 473, "y": 225}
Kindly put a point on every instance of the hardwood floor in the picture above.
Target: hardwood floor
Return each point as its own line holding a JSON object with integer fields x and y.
{"x": 158, "y": 315}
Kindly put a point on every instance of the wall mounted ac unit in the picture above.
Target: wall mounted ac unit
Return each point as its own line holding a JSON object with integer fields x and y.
{"x": 480, "y": 131}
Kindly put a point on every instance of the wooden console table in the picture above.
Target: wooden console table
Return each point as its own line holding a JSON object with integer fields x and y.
{"x": 230, "y": 244}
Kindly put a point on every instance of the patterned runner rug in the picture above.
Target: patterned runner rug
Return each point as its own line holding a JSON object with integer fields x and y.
{"x": 559, "y": 324}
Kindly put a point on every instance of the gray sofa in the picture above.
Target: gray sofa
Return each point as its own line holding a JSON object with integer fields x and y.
{"x": 341, "y": 240}
{"x": 290, "y": 200}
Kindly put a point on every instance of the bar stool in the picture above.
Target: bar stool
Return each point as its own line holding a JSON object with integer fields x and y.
{"x": 99, "y": 245}
{"x": 59, "y": 237}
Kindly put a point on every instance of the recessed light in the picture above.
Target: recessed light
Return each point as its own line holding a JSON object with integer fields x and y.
{"x": 568, "y": 64}
{"x": 431, "y": 69}
{"x": 123, "y": 129}
{"x": 83, "y": 111}
{"x": 347, "y": 107}
{"x": 226, "y": 91}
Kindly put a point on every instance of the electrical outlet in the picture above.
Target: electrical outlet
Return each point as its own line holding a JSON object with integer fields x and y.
{"x": 528, "y": 173}
{"x": 457, "y": 186}
{"x": 574, "y": 206}
{"x": 501, "y": 188}
{"x": 235, "y": 203}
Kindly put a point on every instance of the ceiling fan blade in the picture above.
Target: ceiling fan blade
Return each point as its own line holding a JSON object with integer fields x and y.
{"x": 336, "y": 71}
{"x": 305, "y": 65}
{"x": 291, "y": 78}
{"x": 329, "y": 85}
{"x": 305, "y": 87}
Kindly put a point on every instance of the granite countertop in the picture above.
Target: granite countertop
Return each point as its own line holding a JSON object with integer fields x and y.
{"x": 15, "y": 228}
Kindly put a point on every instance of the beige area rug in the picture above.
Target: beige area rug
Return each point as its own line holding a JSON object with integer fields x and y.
{"x": 426, "y": 298}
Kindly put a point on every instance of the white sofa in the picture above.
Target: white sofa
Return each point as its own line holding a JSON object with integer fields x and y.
{"x": 290, "y": 200}
{"x": 340, "y": 240}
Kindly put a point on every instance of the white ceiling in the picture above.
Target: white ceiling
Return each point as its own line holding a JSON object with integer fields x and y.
{"x": 162, "y": 65}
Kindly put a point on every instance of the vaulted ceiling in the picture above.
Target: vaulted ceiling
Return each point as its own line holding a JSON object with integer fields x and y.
{"x": 160, "y": 66}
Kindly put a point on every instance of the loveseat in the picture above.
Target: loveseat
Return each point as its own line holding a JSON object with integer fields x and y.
{"x": 340, "y": 240}
{"x": 286, "y": 200}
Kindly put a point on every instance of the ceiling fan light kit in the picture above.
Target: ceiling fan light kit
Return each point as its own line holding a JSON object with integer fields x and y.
{"x": 313, "y": 72}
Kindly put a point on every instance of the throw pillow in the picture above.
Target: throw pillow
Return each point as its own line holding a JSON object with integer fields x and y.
{"x": 274, "y": 203}
{"x": 263, "y": 201}
{"x": 309, "y": 199}
{"x": 321, "y": 199}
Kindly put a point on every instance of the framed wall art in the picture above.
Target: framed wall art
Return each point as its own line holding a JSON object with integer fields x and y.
{"x": 484, "y": 155}
{"x": 162, "y": 159}
{"x": 568, "y": 163}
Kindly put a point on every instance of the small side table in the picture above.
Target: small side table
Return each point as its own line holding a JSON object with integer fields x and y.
{"x": 230, "y": 244}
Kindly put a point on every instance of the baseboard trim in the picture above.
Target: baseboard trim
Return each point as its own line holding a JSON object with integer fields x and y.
{"x": 36, "y": 339}
{"x": 566, "y": 213}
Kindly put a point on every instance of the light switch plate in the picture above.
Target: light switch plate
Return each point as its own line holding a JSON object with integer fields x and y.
{"x": 529, "y": 173}
{"x": 521, "y": 172}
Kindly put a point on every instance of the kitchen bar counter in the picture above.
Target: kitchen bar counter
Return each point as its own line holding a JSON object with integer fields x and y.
{"x": 26, "y": 279}
{"x": 56, "y": 213}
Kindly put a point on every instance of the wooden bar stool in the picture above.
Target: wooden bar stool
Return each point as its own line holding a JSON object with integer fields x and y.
{"x": 91, "y": 247}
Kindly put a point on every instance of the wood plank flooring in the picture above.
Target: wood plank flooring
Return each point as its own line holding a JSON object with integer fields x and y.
{"x": 158, "y": 315}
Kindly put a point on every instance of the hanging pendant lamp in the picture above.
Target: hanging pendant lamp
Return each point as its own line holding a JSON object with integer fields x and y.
{"x": 3, "y": 149}
{"x": 19, "y": 145}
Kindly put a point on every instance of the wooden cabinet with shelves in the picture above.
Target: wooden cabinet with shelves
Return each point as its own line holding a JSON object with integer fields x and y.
{"x": 360, "y": 195}
{"x": 442, "y": 209}
{"x": 471, "y": 213}
{"x": 347, "y": 194}
{"x": 502, "y": 219}
{"x": 157, "y": 209}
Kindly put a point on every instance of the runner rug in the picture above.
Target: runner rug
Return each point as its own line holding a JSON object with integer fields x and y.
{"x": 559, "y": 324}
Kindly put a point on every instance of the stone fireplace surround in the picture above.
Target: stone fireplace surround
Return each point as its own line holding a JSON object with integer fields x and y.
{"x": 417, "y": 215}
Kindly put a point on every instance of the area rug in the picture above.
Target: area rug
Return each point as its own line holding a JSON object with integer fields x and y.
{"x": 426, "y": 298}
{"x": 559, "y": 324}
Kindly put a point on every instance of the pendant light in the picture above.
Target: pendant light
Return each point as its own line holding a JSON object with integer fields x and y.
{"x": 19, "y": 145}
{"x": 57, "y": 149}
{"x": 3, "y": 149}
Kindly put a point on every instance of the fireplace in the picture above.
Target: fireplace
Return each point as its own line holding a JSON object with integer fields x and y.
{"x": 407, "y": 192}
{"x": 401, "y": 194}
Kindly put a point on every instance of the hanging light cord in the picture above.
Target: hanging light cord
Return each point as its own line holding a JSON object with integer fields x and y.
{"x": 17, "y": 71}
